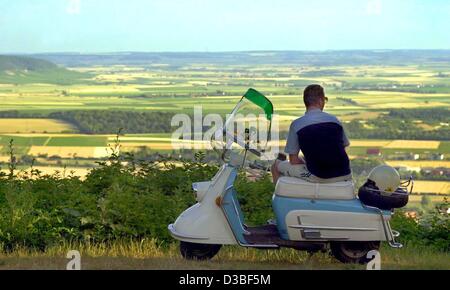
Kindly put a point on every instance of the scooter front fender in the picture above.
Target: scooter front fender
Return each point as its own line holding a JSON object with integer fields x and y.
{"x": 205, "y": 221}
{"x": 202, "y": 224}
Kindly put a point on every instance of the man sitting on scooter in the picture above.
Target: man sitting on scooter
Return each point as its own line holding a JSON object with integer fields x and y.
{"x": 322, "y": 140}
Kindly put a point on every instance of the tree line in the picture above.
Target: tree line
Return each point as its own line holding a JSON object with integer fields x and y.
{"x": 397, "y": 124}
{"x": 108, "y": 122}
{"x": 402, "y": 124}
{"x": 394, "y": 130}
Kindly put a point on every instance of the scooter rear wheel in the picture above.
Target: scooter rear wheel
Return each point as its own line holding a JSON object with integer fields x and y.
{"x": 193, "y": 251}
{"x": 353, "y": 252}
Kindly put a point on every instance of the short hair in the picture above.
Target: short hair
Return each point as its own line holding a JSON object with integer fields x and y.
{"x": 313, "y": 94}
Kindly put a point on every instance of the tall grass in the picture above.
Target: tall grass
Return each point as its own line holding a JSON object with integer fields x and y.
{"x": 151, "y": 254}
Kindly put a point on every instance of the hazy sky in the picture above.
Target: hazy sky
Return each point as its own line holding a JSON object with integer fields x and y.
{"x": 221, "y": 25}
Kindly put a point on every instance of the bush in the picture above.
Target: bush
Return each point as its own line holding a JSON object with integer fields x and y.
{"x": 114, "y": 201}
{"x": 117, "y": 201}
{"x": 431, "y": 230}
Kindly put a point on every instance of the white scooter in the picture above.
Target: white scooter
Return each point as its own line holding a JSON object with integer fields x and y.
{"x": 308, "y": 216}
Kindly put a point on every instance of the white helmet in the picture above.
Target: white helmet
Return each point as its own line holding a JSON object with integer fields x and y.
{"x": 386, "y": 178}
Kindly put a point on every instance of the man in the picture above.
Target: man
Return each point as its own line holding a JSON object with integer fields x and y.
{"x": 322, "y": 140}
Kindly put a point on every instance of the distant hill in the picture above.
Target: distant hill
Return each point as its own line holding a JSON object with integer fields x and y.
{"x": 20, "y": 63}
{"x": 313, "y": 58}
{"x": 21, "y": 70}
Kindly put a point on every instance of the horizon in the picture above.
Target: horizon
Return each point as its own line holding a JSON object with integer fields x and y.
{"x": 379, "y": 50}
{"x": 100, "y": 26}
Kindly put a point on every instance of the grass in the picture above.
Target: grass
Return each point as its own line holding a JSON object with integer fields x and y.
{"x": 24, "y": 70}
{"x": 445, "y": 146}
{"x": 148, "y": 254}
{"x": 91, "y": 141}
{"x": 23, "y": 141}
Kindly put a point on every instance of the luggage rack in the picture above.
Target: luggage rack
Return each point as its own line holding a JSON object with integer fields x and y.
{"x": 405, "y": 188}
{"x": 388, "y": 232}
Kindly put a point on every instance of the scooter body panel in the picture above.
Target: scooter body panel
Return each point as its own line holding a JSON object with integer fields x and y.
{"x": 205, "y": 222}
{"x": 234, "y": 215}
{"x": 301, "y": 219}
{"x": 218, "y": 218}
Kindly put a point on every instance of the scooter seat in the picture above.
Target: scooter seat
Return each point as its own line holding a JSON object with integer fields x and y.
{"x": 297, "y": 188}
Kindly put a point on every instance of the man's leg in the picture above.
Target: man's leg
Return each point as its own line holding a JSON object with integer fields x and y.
{"x": 275, "y": 172}
{"x": 285, "y": 168}
{"x": 300, "y": 171}
{"x": 316, "y": 179}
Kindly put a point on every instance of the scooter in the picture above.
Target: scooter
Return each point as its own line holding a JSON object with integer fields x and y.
{"x": 308, "y": 216}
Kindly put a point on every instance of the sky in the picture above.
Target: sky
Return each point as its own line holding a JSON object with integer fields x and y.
{"x": 93, "y": 26}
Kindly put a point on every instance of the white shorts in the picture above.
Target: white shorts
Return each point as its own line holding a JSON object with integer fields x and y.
{"x": 302, "y": 172}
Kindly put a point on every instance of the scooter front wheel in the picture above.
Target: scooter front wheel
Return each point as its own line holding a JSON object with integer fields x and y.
{"x": 193, "y": 251}
{"x": 353, "y": 252}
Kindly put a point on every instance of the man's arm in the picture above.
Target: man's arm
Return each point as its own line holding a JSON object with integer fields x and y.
{"x": 346, "y": 141}
{"x": 344, "y": 136}
{"x": 293, "y": 147}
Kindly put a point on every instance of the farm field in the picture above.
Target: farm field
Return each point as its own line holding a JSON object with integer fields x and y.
{"x": 438, "y": 187}
{"x": 284, "y": 105}
{"x": 40, "y": 143}
{"x": 415, "y": 200}
{"x": 419, "y": 164}
{"x": 34, "y": 126}
{"x": 217, "y": 88}
{"x": 52, "y": 170}
{"x": 69, "y": 152}
{"x": 71, "y": 146}
{"x": 361, "y": 92}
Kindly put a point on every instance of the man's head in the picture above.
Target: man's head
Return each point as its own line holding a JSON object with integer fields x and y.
{"x": 314, "y": 97}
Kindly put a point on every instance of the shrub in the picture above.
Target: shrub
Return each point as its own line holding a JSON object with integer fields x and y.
{"x": 138, "y": 200}
{"x": 431, "y": 230}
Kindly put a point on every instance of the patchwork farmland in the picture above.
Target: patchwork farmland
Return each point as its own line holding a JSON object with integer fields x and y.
{"x": 393, "y": 113}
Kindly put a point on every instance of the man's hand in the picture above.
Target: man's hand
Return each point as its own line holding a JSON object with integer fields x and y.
{"x": 281, "y": 157}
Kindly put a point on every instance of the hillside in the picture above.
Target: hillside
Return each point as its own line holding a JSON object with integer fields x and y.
{"x": 23, "y": 70}
{"x": 307, "y": 58}
{"x": 16, "y": 63}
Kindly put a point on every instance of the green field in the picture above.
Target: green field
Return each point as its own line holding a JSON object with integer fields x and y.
{"x": 78, "y": 141}
{"x": 217, "y": 88}
{"x": 22, "y": 140}
{"x": 364, "y": 91}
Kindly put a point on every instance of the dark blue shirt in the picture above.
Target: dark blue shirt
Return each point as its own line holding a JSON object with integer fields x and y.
{"x": 322, "y": 140}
